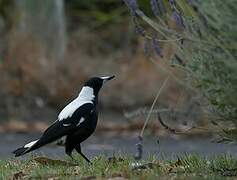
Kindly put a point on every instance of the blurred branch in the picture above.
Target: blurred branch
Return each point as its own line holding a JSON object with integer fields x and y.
{"x": 156, "y": 26}
{"x": 153, "y": 104}
{"x": 175, "y": 131}
{"x": 166, "y": 71}
{"x": 164, "y": 40}
{"x": 143, "y": 111}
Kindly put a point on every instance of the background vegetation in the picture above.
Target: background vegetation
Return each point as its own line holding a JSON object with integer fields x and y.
{"x": 196, "y": 37}
{"x": 205, "y": 41}
{"x": 47, "y": 50}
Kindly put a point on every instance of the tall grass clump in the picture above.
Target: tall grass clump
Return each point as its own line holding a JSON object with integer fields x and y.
{"x": 203, "y": 34}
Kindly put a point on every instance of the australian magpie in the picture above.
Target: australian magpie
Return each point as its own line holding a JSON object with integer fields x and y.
{"x": 77, "y": 121}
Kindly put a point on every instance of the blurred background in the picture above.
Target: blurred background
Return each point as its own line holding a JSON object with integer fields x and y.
{"x": 49, "y": 48}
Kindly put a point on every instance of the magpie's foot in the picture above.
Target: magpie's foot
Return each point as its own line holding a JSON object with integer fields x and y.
{"x": 70, "y": 155}
{"x": 85, "y": 157}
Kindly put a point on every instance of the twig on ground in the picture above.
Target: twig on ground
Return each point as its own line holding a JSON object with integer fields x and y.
{"x": 139, "y": 147}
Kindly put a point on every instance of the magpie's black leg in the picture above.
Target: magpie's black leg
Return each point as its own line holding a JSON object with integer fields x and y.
{"x": 68, "y": 148}
{"x": 78, "y": 149}
{"x": 69, "y": 153}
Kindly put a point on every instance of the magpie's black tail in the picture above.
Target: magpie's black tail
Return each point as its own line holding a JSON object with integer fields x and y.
{"x": 19, "y": 151}
{"x": 54, "y": 132}
{"x": 26, "y": 148}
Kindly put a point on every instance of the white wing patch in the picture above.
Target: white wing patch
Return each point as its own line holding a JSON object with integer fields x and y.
{"x": 66, "y": 125}
{"x": 86, "y": 96}
{"x": 30, "y": 144}
{"x": 81, "y": 121}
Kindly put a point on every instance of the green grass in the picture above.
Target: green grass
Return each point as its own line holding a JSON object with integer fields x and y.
{"x": 190, "y": 166}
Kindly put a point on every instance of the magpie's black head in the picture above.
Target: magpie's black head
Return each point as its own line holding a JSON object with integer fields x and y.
{"x": 97, "y": 82}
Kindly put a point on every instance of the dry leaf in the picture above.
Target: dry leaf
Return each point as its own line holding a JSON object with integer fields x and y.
{"x": 175, "y": 165}
{"x": 18, "y": 175}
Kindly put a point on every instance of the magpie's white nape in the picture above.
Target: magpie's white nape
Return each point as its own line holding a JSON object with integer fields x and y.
{"x": 77, "y": 121}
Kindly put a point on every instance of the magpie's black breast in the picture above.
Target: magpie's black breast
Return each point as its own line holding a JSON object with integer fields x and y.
{"x": 85, "y": 129}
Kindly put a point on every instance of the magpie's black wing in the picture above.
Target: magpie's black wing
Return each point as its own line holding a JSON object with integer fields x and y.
{"x": 58, "y": 129}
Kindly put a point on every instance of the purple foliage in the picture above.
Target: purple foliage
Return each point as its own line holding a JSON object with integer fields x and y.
{"x": 172, "y": 3}
{"x": 176, "y": 16}
{"x": 156, "y": 46}
{"x": 157, "y": 7}
{"x": 154, "y": 7}
{"x": 139, "y": 149}
{"x": 161, "y": 6}
{"x": 138, "y": 28}
{"x": 190, "y": 2}
{"x": 132, "y": 5}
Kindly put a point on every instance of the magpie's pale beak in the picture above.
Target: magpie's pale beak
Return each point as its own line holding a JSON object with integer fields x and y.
{"x": 107, "y": 78}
